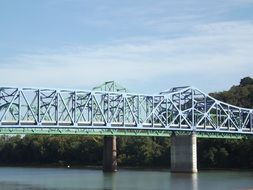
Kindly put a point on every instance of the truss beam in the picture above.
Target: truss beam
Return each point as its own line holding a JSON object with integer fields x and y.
{"x": 181, "y": 109}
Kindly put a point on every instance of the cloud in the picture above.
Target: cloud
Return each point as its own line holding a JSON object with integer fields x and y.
{"x": 214, "y": 50}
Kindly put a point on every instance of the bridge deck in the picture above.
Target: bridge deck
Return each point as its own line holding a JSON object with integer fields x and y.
{"x": 112, "y": 132}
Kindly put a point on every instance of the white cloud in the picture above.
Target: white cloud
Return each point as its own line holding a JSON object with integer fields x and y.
{"x": 214, "y": 50}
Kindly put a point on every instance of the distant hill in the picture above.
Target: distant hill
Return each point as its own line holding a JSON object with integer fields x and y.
{"x": 239, "y": 95}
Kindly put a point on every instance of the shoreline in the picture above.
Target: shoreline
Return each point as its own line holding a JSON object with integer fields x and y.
{"x": 99, "y": 167}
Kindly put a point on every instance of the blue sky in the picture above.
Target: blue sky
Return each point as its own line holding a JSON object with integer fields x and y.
{"x": 147, "y": 46}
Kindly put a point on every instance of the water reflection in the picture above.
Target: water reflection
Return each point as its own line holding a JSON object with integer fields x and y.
{"x": 183, "y": 181}
{"x": 109, "y": 181}
{"x": 17, "y": 186}
{"x": 84, "y": 179}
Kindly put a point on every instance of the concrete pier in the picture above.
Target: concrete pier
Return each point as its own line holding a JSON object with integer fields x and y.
{"x": 184, "y": 153}
{"x": 110, "y": 154}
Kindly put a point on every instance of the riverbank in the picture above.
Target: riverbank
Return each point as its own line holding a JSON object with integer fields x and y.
{"x": 99, "y": 167}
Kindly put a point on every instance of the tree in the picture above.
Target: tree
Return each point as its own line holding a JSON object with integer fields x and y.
{"x": 246, "y": 81}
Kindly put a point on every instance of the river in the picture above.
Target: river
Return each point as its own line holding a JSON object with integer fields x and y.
{"x": 23, "y": 178}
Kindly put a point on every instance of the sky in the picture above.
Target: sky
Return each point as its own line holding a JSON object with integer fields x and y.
{"x": 147, "y": 45}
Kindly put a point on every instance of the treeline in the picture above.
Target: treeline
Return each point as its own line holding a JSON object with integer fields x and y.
{"x": 132, "y": 151}
{"x": 82, "y": 150}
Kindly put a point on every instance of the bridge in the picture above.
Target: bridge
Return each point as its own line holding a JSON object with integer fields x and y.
{"x": 182, "y": 113}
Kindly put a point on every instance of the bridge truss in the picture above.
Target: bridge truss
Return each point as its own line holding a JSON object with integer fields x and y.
{"x": 179, "y": 110}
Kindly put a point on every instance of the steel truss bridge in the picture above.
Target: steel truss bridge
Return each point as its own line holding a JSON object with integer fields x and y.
{"x": 112, "y": 110}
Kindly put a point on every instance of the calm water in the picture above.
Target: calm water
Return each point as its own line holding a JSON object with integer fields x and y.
{"x": 80, "y": 179}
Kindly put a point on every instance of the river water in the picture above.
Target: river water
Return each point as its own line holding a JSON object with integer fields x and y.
{"x": 23, "y": 178}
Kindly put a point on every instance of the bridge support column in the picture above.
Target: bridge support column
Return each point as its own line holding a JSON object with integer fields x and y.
{"x": 184, "y": 153}
{"x": 110, "y": 154}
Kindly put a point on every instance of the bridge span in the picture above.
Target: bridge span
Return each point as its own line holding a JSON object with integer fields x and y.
{"x": 110, "y": 110}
